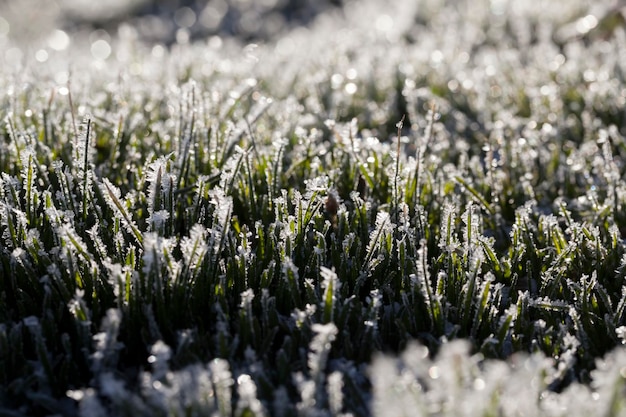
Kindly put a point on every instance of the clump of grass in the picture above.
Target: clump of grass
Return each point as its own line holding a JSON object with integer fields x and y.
{"x": 214, "y": 239}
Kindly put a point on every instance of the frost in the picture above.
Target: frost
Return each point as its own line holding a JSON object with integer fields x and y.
{"x": 194, "y": 247}
{"x": 248, "y": 402}
{"x": 106, "y": 344}
{"x": 158, "y": 218}
{"x": 320, "y": 347}
{"x": 161, "y": 186}
{"x": 317, "y": 184}
{"x": 160, "y": 354}
{"x": 158, "y": 258}
{"x": 331, "y": 286}
{"x": 223, "y": 206}
{"x": 493, "y": 212}
{"x": 447, "y": 238}
{"x": 231, "y": 168}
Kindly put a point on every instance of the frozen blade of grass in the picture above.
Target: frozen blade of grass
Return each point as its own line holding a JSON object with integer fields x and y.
{"x": 506, "y": 323}
{"x": 130, "y": 265}
{"x": 433, "y": 301}
{"x": 361, "y": 166}
{"x": 365, "y": 173}
{"x": 381, "y": 228}
{"x": 249, "y": 325}
{"x": 231, "y": 169}
{"x": 471, "y": 235}
{"x": 476, "y": 195}
{"x": 482, "y": 304}
{"x": 546, "y": 303}
{"x": 154, "y": 193}
{"x": 251, "y": 192}
{"x": 201, "y": 193}
{"x": 420, "y": 151}
{"x": 66, "y": 231}
{"x": 447, "y": 240}
{"x": 194, "y": 247}
{"x": 552, "y": 233}
{"x": 277, "y": 167}
{"x": 313, "y": 207}
{"x": 10, "y": 190}
{"x": 161, "y": 192}
{"x": 298, "y": 203}
{"x": 156, "y": 255}
{"x": 290, "y": 275}
{"x": 491, "y": 256}
{"x": 189, "y": 139}
{"x": 468, "y": 291}
{"x": 78, "y": 308}
{"x": 72, "y": 110}
{"x": 620, "y": 310}
{"x": 112, "y": 192}
{"x": 396, "y": 172}
{"x": 331, "y": 286}
{"x": 402, "y": 262}
{"x": 259, "y": 109}
{"x": 11, "y": 230}
{"x": 29, "y": 177}
{"x": 86, "y": 184}
{"x": 64, "y": 196}
{"x": 223, "y": 205}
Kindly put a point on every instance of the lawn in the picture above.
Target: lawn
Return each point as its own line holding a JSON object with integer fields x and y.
{"x": 399, "y": 209}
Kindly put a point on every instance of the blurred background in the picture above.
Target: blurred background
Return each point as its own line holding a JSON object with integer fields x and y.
{"x": 163, "y": 21}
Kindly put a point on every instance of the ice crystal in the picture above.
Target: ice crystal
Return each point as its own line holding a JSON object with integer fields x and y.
{"x": 194, "y": 247}
{"x": 448, "y": 240}
{"x": 158, "y": 254}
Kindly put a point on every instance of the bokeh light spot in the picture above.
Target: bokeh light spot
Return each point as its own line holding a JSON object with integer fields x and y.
{"x": 58, "y": 40}
{"x": 41, "y": 55}
{"x": 100, "y": 49}
{"x": 185, "y": 17}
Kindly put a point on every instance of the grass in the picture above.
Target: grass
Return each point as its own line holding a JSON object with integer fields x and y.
{"x": 431, "y": 223}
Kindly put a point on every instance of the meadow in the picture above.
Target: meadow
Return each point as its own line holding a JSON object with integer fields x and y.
{"x": 402, "y": 209}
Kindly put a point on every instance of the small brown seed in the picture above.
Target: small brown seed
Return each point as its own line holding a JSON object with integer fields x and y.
{"x": 331, "y": 205}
